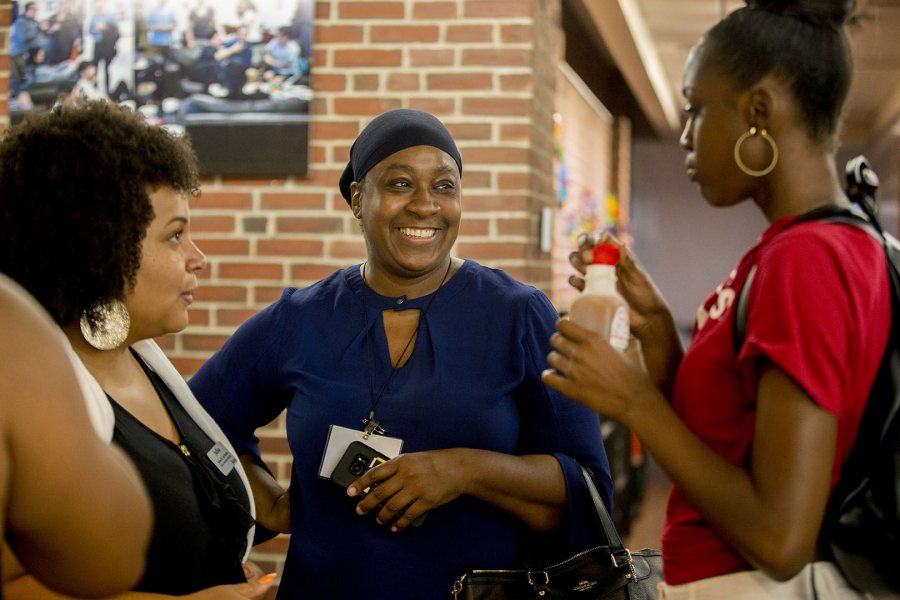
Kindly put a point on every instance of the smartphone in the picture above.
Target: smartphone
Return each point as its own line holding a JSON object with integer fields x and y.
{"x": 357, "y": 459}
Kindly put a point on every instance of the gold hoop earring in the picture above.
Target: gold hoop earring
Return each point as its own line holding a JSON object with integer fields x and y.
{"x": 112, "y": 324}
{"x": 737, "y": 152}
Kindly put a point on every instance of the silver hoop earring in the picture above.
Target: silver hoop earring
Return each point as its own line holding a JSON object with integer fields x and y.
{"x": 113, "y": 322}
{"x": 737, "y": 152}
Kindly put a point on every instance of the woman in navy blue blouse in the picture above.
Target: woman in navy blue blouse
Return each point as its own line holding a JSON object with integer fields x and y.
{"x": 418, "y": 353}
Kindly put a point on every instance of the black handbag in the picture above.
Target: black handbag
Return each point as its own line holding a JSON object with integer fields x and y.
{"x": 604, "y": 572}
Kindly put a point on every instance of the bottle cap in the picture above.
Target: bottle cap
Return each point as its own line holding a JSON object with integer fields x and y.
{"x": 606, "y": 254}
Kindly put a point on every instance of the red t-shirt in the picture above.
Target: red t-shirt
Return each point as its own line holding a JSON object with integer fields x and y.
{"x": 819, "y": 309}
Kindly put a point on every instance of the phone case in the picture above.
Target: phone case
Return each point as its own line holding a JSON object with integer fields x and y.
{"x": 357, "y": 459}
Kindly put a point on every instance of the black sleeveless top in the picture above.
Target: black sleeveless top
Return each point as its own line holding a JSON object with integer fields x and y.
{"x": 201, "y": 516}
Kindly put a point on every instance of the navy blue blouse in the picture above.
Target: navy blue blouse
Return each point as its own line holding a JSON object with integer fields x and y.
{"x": 472, "y": 381}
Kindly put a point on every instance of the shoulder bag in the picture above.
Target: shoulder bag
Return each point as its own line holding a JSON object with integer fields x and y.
{"x": 606, "y": 572}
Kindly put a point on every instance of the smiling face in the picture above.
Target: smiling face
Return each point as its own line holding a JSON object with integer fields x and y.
{"x": 409, "y": 208}
{"x": 167, "y": 277}
{"x": 714, "y": 123}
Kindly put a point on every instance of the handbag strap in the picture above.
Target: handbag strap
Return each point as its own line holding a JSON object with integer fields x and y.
{"x": 606, "y": 523}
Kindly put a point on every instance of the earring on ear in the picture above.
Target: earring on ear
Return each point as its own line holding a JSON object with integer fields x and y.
{"x": 762, "y": 133}
{"x": 112, "y": 324}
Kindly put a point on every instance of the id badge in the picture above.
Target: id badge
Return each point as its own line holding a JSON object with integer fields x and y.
{"x": 339, "y": 438}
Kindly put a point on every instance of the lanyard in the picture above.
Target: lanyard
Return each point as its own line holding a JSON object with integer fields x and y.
{"x": 372, "y": 425}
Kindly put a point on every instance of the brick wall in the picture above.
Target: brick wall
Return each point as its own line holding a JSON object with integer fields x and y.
{"x": 485, "y": 67}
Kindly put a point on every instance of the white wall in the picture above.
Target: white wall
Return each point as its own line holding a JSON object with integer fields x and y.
{"x": 687, "y": 246}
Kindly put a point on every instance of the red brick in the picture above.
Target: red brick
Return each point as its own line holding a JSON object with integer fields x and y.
{"x": 497, "y": 155}
{"x": 370, "y": 10}
{"x": 367, "y": 58}
{"x": 461, "y": 81}
{"x": 474, "y": 179}
{"x": 473, "y": 227}
{"x": 497, "y": 9}
{"x": 436, "y": 106}
{"x": 517, "y": 82}
{"x": 327, "y": 82}
{"x": 198, "y": 316}
{"x": 407, "y": 34}
{"x": 462, "y": 34}
{"x": 496, "y": 202}
{"x": 470, "y": 131}
{"x": 204, "y": 223}
{"x": 515, "y": 132}
{"x": 308, "y": 272}
{"x": 434, "y": 10}
{"x": 517, "y": 34}
{"x": 228, "y": 200}
{"x": 337, "y": 34}
{"x": 490, "y": 250}
{"x": 277, "y": 445}
{"x": 507, "y": 107}
{"x": 266, "y": 295}
{"x": 366, "y": 82}
{"x": 363, "y": 106}
{"x": 223, "y": 247}
{"x": 512, "y": 226}
{"x": 496, "y": 57}
{"x": 222, "y": 293}
{"x": 309, "y": 225}
{"x": 204, "y": 342}
{"x": 351, "y": 250}
{"x": 326, "y": 177}
{"x": 250, "y": 271}
{"x": 293, "y": 201}
{"x": 289, "y": 247}
{"x": 431, "y": 58}
{"x": 513, "y": 181}
{"x": 316, "y": 154}
{"x": 253, "y": 183}
{"x": 334, "y": 130}
{"x": 403, "y": 82}
{"x": 233, "y": 317}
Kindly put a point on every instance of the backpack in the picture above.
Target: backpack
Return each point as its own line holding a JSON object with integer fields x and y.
{"x": 861, "y": 528}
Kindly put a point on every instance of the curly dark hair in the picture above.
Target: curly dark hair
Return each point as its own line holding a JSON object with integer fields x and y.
{"x": 802, "y": 41}
{"x": 75, "y": 204}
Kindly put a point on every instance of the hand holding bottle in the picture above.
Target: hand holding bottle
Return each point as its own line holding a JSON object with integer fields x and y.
{"x": 644, "y": 299}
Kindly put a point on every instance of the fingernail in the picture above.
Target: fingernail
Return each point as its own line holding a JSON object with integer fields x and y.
{"x": 267, "y": 578}
{"x": 394, "y": 528}
{"x": 351, "y": 491}
{"x": 360, "y": 511}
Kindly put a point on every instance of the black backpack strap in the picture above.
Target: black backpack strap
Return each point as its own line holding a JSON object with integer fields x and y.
{"x": 833, "y": 214}
{"x": 739, "y": 327}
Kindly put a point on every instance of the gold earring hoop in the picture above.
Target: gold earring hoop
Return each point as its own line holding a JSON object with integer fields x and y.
{"x": 753, "y": 132}
{"x": 112, "y": 324}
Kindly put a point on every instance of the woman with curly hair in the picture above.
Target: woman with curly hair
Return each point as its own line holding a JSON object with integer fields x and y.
{"x": 94, "y": 223}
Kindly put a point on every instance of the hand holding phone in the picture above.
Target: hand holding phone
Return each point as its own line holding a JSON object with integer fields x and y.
{"x": 356, "y": 461}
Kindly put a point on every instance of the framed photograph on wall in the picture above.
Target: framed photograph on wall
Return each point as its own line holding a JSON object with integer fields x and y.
{"x": 233, "y": 74}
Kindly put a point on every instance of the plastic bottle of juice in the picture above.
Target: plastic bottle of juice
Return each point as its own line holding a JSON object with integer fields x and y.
{"x": 600, "y": 307}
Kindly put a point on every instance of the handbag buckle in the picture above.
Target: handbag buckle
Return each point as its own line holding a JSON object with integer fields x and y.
{"x": 538, "y": 585}
{"x": 629, "y": 562}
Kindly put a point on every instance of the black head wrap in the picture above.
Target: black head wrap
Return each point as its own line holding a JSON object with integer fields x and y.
{"x": 392, "y": 132}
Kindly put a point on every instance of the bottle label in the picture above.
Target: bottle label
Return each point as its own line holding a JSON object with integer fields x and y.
{"x": 619, "y": 332}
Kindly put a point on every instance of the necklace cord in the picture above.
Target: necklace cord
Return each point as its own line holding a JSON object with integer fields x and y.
{"x": 377, "y": 398}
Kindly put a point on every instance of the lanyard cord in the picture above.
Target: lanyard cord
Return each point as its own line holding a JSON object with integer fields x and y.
{"x": 372, "y": 425}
